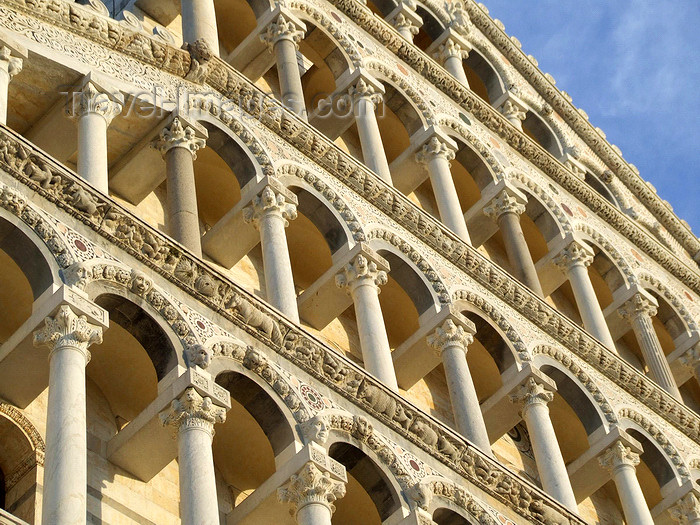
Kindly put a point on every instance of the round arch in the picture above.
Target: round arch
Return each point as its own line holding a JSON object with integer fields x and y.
{"x": 623, "y": 271}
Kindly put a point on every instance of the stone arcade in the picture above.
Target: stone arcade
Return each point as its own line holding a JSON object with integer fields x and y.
{"x": 329, "y": 261}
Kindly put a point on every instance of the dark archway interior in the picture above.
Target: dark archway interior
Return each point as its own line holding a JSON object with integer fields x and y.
{"x": 535, "y": 127}
{"x": 321, "y": 217}
{"x": 368, "y": 475}
{"x": 409, "y": 281}
{"x": 601, "y": 188}
{"x": 144, "y": 329}
{"x": 261, "y": 406}
{"x": 653, "y": 458}
{"x": 27, "y": 256}
{"x": 575, "y": 398}
{"x": 480, "y": 66}
{"x": 492, "y": 341}
{"x": 448, "y": 517}
{"x": 231, "y": 153}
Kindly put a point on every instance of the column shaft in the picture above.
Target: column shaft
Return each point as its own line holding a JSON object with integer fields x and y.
{"x": 588, "y": 305}
{"x": 279, "y": 281}
{"x": 465, "y": 403}
{"x": 376, "y": 352}
{"x": 183, "y": 216}
{"x": 92, "y": 150}
{"x": 518, "y": 253}
{"x": 289, "y": 76}
{"x": 314, "y": 514}
{"x": 454, "y": 65}
{"x": 550, "y": 463}
{"x": 198, "y": 502}
{"x": 370, "y": 138}
{"x": 653, "y": 354}
{"x": 4, "y": 90}
{"x": 446, "y": 196}
{"x": 634, "y": 506}
{"x": 65, "y": 470}
{"x": 199, "y": 21}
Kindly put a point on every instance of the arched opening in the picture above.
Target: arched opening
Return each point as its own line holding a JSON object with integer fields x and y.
{"x": 370, "y": 498}
{"x": 654, "y": 472}
{"x": 245, "y": 446}
{"x": 430, "y": 30}
{"x": 535, "y": 128}
{"x": 444, "y": 516}
{"x": 595, "y": 183}
{"x": 483, "y": 78}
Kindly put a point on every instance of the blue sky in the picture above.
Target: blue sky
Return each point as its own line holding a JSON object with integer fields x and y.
{"x": 634, "y": 67}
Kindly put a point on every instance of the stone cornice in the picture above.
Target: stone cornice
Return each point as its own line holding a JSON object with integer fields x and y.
{"x": 168, "y": 259}
{"x": 581, "y": 126}
{"x": 207, "y": 285}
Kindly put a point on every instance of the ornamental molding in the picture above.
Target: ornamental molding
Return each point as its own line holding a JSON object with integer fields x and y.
{"x": 599, "y": 240}
{"x": 36, "y": 456}
{"x": 672, "y": 297}
{"x": 423, "y": 495}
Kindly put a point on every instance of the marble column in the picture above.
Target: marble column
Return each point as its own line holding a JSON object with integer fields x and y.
{"x": 199, "y": 22}
{"x": 451, "y": 54}
{"x": 94, "y": 109}
{"x": 9, "y": 66}
{"x": 270, "y": 213}
{"x": 514, "y": 112}
{"x": 68, "y": 337}
{"x": 622, "y": 462}
{"x": 361, "y": 278}
{"x": 405, "y": 19}
{"x": 687, "y": 510}
{"x": 574, "y": 260}
{"x": 193, "y": 418}
{"x": 451, "y": 342}
{"x": 639, "y": 311}
{"x": 179, "y": 144}
{"x": 506, "y": 209}
{"x": 436, "y": 154}
{"x": 365, "y": 96}
{"x": 283, "y": 37}
{"x": 311, "y": 493}
{"x": 533, "y": 398}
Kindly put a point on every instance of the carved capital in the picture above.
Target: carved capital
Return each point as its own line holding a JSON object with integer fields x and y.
{"x": 91, "y": 99}
{"x": 13, "y": 64}
{"x": 435, "y": 148}
{"x": 283, "y": 29}
{"x": 270, "y": 202}
{"x": 311, "y": 485}
{"x": 179, "y": 135}
{"x": 452, "y": 334}
{"x": 532, "y": 392}
{"x": 365, "y": 89}
{"x": 687, "y": 510}
{"x": 191, "y": 410}
{"x": 513, "y": 111}
{"x": 403, "y": 22}
{"x": 504, "y": 203}
{"x": 450, "y": 48}
{"x": 67, "y": 329}
{"x": 618, "y": 455}
{"x": 637, "y": 305}
{"x": 575, "y": 253}
{"x": 360, "y": 271}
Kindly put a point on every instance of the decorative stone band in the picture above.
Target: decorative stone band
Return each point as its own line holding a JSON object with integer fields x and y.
{"x": 271, "y": 201}
{"x": 452, "y": 334}
{"x": 435, "y": 148}
{"x": 67, "y": 329}
{"x": 311, "y": 485}
{"x": 618, "y": 455}
{"x": 532, "y": 392}
{"x": 191, "y": 410}
{"x": 283, "y": 29}
{"x": 576, "y": 253}
{"x": 638, "y": 305}
{"x": 180, "y": 135}
{"x": 13, "y": 64}
{"x": 687, "y": 510}
{"x": 91, "y": 99}
{"x": 504, "y": 202}
{"x": 361, "y": 270}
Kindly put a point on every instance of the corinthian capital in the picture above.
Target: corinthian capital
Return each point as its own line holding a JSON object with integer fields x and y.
{"x": 435, "y": 148}
{"x": 504, "y": 202}
{"x": 192, "y": 410}
{"x": 91, "y": 99}
{"x": 575, "y": 253}
{"x": 311, "y": 485}
{"x": 67, "y": 329}
{"x": 13, "y": 64}
{"x": 450, "y": 48}
{"x": 365, "y": 88}
{"x": 687, "y": 510}
{"x": 532, "y": 392}
{"x": 638, "y": 305}
{"x": 180, "y": 135}
{"x": 271, "y": 201}
{"x": 283, "y": 28}
{"x": 452, "y": 334}
{"x": 360, "y": 270}
{"x": 618, "y": 455}
{"x": 514, "y": 112}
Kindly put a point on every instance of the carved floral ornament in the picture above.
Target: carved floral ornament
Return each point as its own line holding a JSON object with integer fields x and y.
{"x": 179, "y": 135}
{"x": 191, "y": 410}
{"x": 66, "y": 329}
{"x": 14, "y": 64}
{"x": 311, "y": 485}
{"x": 283, "y": 29}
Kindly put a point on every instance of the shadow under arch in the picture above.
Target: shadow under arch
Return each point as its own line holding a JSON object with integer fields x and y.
{"x": 538, "y": 130}
{"x": 484, "y": 79}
